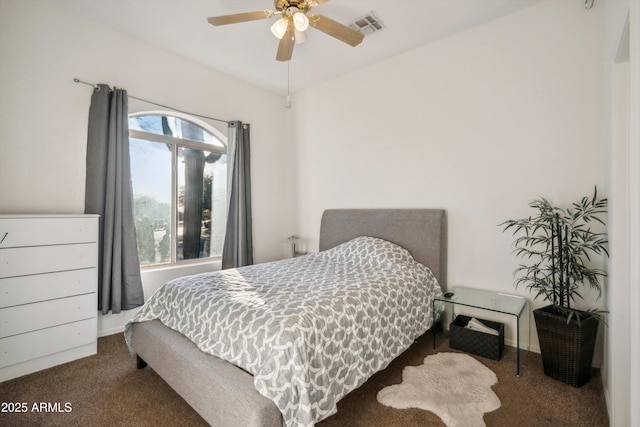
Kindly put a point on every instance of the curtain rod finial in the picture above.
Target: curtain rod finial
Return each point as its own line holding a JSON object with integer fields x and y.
{"x": 77, "y": 80}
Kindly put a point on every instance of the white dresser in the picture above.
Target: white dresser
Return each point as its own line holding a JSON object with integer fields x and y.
{"x": 48, "y": 291}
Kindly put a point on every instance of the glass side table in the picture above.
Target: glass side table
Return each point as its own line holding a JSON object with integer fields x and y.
{"x": 498, "y": 302}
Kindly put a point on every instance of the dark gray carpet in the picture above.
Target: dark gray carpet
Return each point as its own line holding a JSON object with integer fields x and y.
{"x": 108, "y": 390}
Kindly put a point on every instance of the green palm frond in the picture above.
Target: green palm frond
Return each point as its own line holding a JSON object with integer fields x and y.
{"x": 536, "y": 242}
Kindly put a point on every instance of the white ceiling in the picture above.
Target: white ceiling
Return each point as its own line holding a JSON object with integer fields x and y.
{"x": 247, "y": 50}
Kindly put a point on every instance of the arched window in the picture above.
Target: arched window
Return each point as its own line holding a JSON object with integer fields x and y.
{"x": 179, "y": 179}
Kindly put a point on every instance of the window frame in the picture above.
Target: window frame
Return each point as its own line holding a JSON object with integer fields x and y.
{"x": 175, "y": 144}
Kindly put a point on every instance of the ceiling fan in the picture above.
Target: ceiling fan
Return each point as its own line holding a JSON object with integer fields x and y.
{"x": 294, "y": 21}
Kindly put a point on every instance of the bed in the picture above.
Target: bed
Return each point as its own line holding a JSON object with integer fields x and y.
{"x": 224, "y": 393}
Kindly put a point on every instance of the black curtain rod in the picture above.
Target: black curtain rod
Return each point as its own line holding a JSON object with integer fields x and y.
{"x": 96, "y": 87}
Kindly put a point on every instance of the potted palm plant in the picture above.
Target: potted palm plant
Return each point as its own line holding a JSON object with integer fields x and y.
{"x": 557, "y": 245}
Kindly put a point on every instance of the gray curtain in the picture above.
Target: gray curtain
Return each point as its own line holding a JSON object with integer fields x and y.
{"x": 108, "y": 193}
{"x": 238, "y": 239}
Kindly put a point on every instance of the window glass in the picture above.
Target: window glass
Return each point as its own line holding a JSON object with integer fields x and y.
{"x": 202, "y": 194}
{"x": 151, "y": 182}
{"x": 179, "y": 180}
{"x": 172, "y": 126}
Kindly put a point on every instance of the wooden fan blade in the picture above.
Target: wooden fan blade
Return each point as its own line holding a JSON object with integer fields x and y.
{"x": 285, "y": 47}
{"x": 314, "y": 3}
{"x": 240, "y": 17}
{"x": 336, "y": 29}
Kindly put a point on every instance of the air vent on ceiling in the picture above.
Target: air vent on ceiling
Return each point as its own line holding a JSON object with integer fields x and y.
{"x": 367, "y": 24}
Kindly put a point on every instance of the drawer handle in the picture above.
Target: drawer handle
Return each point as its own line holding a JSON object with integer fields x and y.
{"x": 4, "y": 237}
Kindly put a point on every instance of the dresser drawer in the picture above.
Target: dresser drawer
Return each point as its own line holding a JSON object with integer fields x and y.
{"x": 42, "y": 287}
{"x": 40, "y": 315}
{"x": 24, "y": 347}
{"x": 47, "y": 259}
{"x": 36, "y": 231}
{"x": 48, "y": 290}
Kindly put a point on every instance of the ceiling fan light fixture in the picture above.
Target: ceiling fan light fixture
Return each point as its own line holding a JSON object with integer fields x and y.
{"x": 300, "y": 21}
{"x": 294, "y": 18}
{"x": 279, "y": 28}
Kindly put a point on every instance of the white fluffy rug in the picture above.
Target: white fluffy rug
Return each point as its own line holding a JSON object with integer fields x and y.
{"x": 454, "y": 386}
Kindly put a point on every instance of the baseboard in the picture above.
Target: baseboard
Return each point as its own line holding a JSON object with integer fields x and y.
{"x": 111, "y": 331}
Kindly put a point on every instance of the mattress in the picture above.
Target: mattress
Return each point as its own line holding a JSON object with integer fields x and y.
{"x": 309, "y": 329}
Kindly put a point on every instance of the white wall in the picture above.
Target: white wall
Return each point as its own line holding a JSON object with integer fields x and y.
{"x": 478, "y": 123}
{"x": 43, "y": 117}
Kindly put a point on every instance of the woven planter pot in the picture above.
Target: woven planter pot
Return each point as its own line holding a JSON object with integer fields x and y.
{"x": 566, "y": 348}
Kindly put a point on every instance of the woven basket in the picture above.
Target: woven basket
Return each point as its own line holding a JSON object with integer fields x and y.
{"x": 566, "y": 348}
{"x": 479, "y": 343}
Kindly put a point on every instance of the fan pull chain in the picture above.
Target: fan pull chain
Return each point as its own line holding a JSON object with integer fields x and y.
{"x": 287, "y": 103}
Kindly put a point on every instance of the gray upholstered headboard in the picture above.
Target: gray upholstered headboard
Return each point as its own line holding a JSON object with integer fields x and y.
{"x": 423, "y": 232}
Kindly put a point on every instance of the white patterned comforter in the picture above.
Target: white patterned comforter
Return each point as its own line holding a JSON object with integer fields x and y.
{"x": 310, "y": 329}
